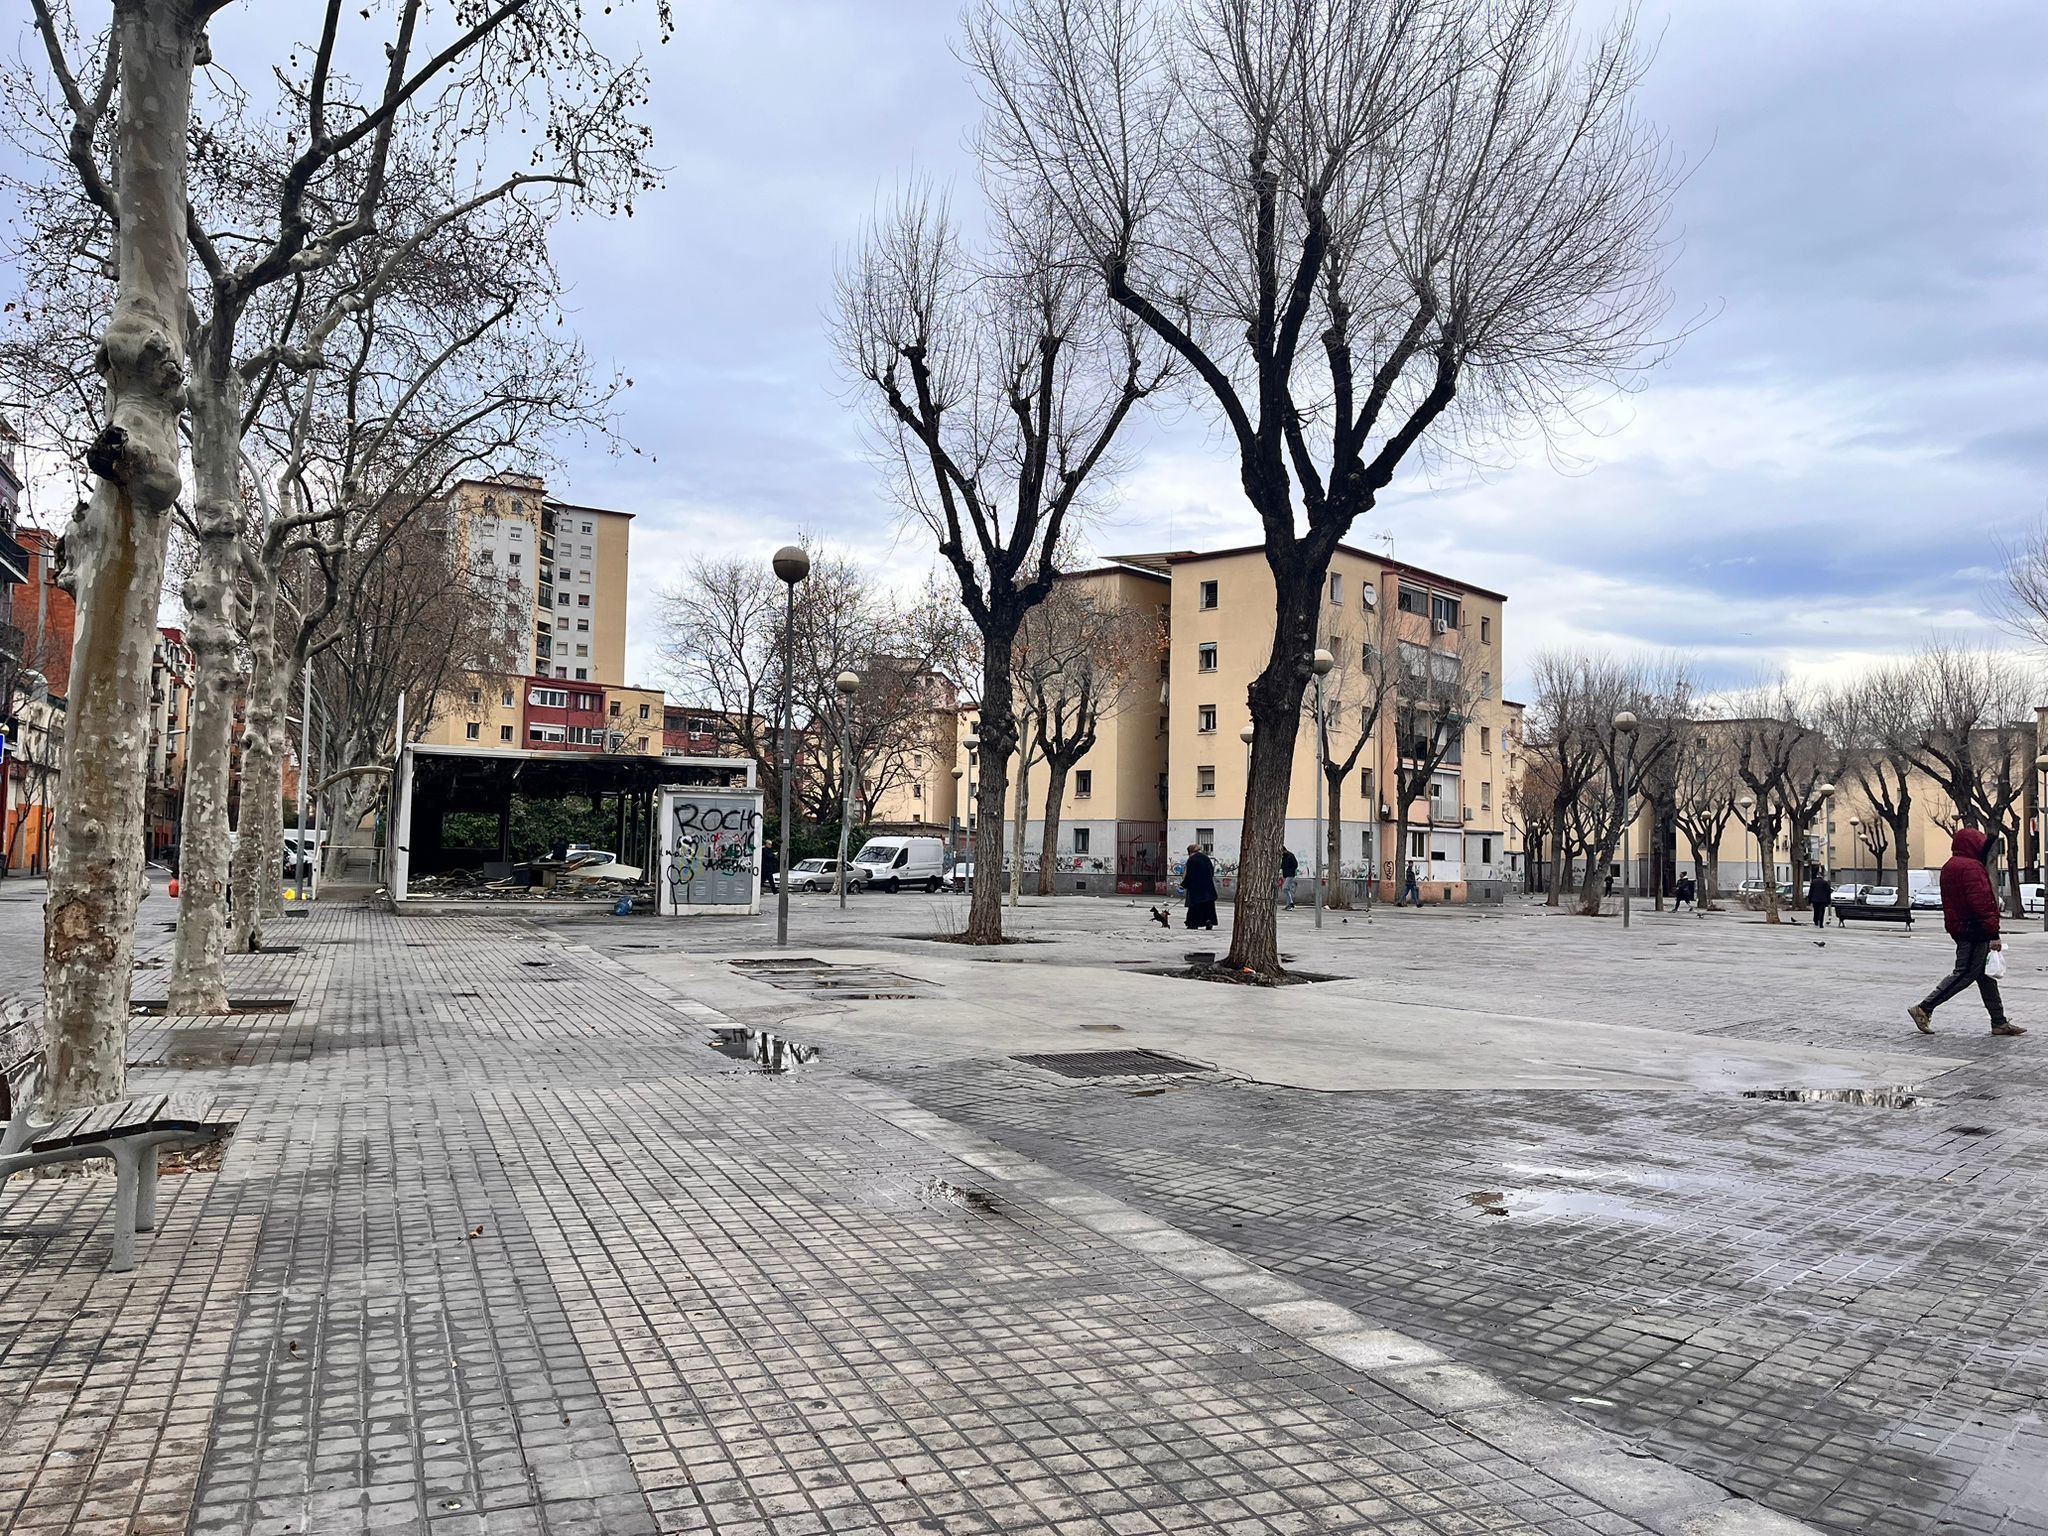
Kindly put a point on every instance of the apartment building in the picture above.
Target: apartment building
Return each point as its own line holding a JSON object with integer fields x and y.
{"x": 559, "y": 572}
{"x": 1170, "y": 767}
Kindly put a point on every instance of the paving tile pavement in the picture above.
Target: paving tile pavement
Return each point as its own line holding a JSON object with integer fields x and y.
{"x": 501, "y": 1246}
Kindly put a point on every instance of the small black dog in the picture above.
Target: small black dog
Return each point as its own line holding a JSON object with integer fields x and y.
{"x": 1159, "y": 916}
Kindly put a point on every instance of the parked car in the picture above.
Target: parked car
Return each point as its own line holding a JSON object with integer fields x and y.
{"x": 823, "y": 875}
{"x": 1848, "y": 895}
{"x": 2031, "y": 896}
{"x": 894, "y": 862}
{"x": 1927, "y": 898}
{"x": 963, "y": 874}
{"x": 1878, "y": 896}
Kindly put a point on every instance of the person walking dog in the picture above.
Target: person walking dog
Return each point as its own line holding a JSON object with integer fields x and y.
{"x": 1198, "y": 884}
{"x": 1969, "y": 910}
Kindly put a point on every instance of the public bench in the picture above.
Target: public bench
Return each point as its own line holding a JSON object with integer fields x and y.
{"x": 132, "y": 1133}
{"x": 1849, "y": 911}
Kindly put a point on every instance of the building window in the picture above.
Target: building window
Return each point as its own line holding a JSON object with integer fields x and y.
{"x": 548, "y": 698}
{"x": 1205, "y": 839}
{"x": 513, "y": 559}
{"x": 546, "y": 733}
{"x": 583, "y": 626}
{"x": 490, "y": 557}
{"x": 476, "y": 696}
{"x": 1205, "y": 718}
{"x": 517, "y": 533}
{"x": 1486, "y": 740}
{"x": 561, "y": 599}
{"x": 504, "y": 733}
{"x": 1486, "y": 795}
{"x": 473, "y": 730}
{"x": 505, "y": 697}
{"x": 584, "y": 577}
{"x": 1486, "y": 685}
{"x": 1485, "y": 630}
{"x": 1365, "y": 789}
{"x": 1080, "y": 839}
{"x": 582, "y": 599}
{"x": 1205, "y": 780}
{"x": 1208, "y": 594}
{"x": 1486, "y": 850}
{"x": 1412, "y": 600}
{"x": 1084, "y": 783}
{"x": 1337, "y": 587}
{"x": 1418, "y": 845}
{"x": 644, "y": 711}
{"x": 582, "y": 650}
{"x": 1207, "y": 655}
{"x": 583, "y": 674}
{"x": 586, "y": 527}
{"x": 615, "y": 707}
{"x": 586, "y": 551}
{"x": 1445, "y": 611}
{"x": 917, "y": 791}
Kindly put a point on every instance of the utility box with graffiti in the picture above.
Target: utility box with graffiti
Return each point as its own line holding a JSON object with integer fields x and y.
{"x": 710, "y": 856}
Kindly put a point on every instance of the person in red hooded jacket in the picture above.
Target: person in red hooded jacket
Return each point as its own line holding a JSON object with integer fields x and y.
{"x": 1969, "y": 910}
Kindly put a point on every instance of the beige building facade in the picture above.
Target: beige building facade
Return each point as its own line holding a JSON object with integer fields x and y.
{"x": 1170, "y": 766}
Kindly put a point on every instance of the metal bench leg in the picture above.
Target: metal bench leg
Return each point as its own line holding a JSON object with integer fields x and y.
{"x": 126, "y": 1190}
{"x": 145, "y": 1186}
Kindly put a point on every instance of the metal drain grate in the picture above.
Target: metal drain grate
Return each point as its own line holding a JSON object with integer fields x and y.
{"x": 1112, "y": 1064}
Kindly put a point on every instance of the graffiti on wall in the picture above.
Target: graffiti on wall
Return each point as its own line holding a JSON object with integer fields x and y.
{"x": 713, "y": 857}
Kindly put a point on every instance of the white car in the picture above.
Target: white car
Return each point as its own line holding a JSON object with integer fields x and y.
{"x": 1878, "y": 896}
{"x": 823, "y": 875}
{"x": 1927, "y": 898}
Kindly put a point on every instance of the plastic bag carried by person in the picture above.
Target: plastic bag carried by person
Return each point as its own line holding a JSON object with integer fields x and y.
{"x": 1994, "y": 964}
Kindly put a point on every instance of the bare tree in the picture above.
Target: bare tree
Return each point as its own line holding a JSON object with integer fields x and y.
{"x": 1783, "y": 760}
{"x": 1975, "y": 738}
{"x": 1873, "y": 727}
{"x": 1705, "y": 783}
{"x": 1435, "y": 690}
{"x": 1357, "y": 224}
{"x": 1362, "y": 681}
{"x": 995, "y": 383}
{"x": 170, "y": 346}
{"x": 722, "y": 651}
{"x": 1078, "y": 655}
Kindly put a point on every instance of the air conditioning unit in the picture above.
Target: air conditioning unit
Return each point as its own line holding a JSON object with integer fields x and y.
{"x": 1468, "y": 813}
{"x": 1439, "y": 627}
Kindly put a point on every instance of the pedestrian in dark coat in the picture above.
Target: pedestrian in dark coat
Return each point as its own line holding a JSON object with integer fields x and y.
{"x": 1969, "y": 910}
{"x": 1687, "y": 891}
{"x": 1290, "y": 866}
{"x": 1198, "y": 884}
{"x": 1818, "y": 895}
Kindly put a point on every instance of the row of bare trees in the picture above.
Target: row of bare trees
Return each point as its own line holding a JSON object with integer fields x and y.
{"x": 1954, "y": 720}
{"x": 1352, "y": 231}
{"x": 292, "y": 320}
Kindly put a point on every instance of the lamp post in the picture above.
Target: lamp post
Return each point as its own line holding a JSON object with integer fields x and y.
{"x": 973, "y": 746}
{"x": 1320, "y": 665}
{"x": 2040, "y": 825}
{"x": 953, "y": 823}
{"x": 791, "y": 565}
{"x": 1856, "y": 832}
{"x": 848, "y": 684}
{"x": 1625, "y": 728}
{"x": 1742, "y": 809}
{"x": 1827, "y": 830}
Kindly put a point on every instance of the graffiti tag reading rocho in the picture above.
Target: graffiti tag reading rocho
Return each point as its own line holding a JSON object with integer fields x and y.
{"x": 711, "y": 848}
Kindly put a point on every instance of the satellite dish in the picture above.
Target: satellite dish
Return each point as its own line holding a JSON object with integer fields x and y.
{"x": 1372, "y": 595}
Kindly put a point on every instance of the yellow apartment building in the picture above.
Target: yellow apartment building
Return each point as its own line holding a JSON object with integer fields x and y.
{"x": 1170, "y": 766}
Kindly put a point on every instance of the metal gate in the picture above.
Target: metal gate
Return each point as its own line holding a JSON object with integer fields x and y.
{"x": 1141, "y": 857}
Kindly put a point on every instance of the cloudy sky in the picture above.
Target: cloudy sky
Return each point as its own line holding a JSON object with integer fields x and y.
{"x": 1823, "y": 472}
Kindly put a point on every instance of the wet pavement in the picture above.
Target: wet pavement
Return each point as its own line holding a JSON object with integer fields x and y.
{"x": 1827, "y": 1296}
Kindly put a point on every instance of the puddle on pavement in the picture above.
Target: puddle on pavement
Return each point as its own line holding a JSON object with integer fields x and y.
{"x": 1971, "y": 1130}
{"x": 940, "y": 1192}
{"x": 1560, "y": 1205}
{"x": 759, "y": 1047}
{"x": 1868, "y": 1098}
{"x": 823, "y": 979}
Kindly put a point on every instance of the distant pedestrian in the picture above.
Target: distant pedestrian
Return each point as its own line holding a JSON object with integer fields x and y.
{"x": 1411, "y": 893}
{"x": 1818, "y": 896}
{"x": 1198, "y": 884}
{"x": 771, "y": 866}
{"x": 1686, "y": 894}
{"x": 1290, "y": 866}
{"x": 1969, "y": 910}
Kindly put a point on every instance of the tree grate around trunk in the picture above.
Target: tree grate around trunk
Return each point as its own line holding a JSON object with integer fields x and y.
{"x": 1112, "y": 1064}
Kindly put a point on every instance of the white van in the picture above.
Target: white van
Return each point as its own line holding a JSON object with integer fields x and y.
{"x": 891, "y": 863}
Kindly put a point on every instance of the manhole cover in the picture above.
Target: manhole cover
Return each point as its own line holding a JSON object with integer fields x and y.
{"x": 1112, "y": 1064}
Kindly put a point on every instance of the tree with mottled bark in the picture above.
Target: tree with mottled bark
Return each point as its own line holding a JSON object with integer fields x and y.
{"x": 995, "y": 381}
{"x": 170, "y": 355}
{"x": 1363, "y": 226}
{"x": 1975, "y": 738}
{"x": 1704, "y": 788}
{"x": 1782, "y": 761}
{"x": 1872, "y": 726}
